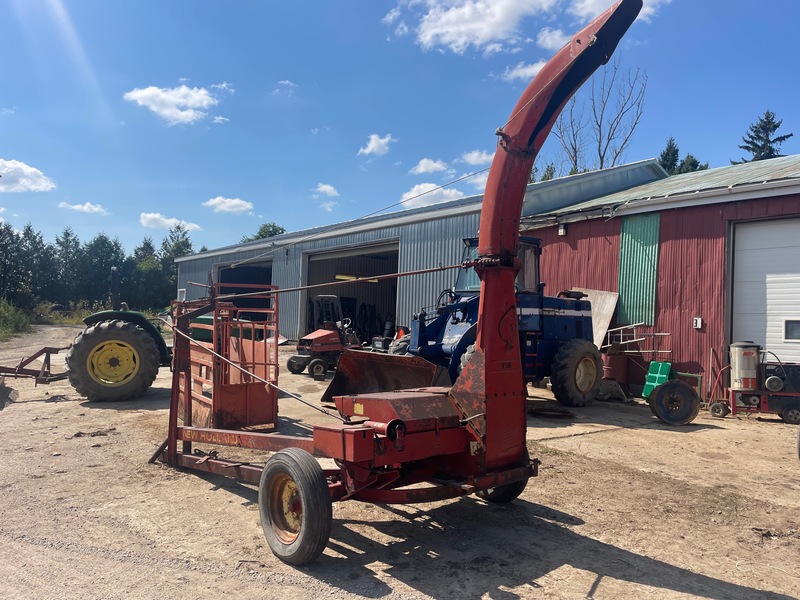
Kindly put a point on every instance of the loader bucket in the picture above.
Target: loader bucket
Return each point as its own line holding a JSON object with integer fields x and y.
{"x": 360, "y": 372}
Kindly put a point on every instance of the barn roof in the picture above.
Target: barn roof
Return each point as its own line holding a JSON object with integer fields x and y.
{"x": 777, "y": 176}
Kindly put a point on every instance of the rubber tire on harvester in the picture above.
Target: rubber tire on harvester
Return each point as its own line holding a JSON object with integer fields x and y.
{"x": 503, "y": 494}
{"x": 294, "y": 367}
{"x": 112, "y": 360}
{"x": 674, "y": 402}
{"x": 576, "y": 372}
{"x": 295, "y": 506}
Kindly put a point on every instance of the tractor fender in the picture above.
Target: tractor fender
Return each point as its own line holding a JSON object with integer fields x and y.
{"x": 137, "y": 318}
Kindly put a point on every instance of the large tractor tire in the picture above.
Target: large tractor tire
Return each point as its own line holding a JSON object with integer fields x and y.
{"x": 112, "y": 360}
{"x": 576, "y": 373}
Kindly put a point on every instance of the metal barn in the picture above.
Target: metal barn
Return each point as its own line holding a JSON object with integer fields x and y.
{"x": 698, "y": 261}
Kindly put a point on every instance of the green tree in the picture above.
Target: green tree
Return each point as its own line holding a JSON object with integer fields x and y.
{"x": 10, "y": 264}
{"x": 672, "y": 165}
{"x": 68, "y": 258}
{"x": 98, "y": 256}
{"x": 759, "y": 140}
{"x": 176, "y": 244}
{"x": 267, "y": 230}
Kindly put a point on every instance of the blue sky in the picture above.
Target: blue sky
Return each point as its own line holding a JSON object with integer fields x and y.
{"x": 126, "y": 117}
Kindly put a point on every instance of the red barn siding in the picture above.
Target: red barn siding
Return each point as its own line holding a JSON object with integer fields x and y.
{"x": 691, "y": 274}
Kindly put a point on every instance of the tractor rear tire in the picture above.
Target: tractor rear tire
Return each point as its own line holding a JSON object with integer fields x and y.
{"x": 295, "y": 506}
{"x": 719, "y": 410}
{"x": 112, "y": 360}
{"x": 294, "y": 367}
{"x": 791, "y": 415}
{"x": 318, "y": 368}
{"x": 576, "y": 373}
{"x": 674, "y": 402}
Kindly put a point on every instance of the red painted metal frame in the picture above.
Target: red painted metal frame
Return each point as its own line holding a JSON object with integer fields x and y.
{"x": 42, "y": 374}
{"x": 470, "y": 437}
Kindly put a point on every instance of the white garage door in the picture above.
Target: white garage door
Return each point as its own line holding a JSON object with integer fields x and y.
{"x": 766, "y": 286}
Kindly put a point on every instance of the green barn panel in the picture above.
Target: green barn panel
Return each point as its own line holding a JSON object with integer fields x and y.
{"x": 638, "y": 269}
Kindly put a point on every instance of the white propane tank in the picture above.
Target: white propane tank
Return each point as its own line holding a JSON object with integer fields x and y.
{"x": 744, "y": 366}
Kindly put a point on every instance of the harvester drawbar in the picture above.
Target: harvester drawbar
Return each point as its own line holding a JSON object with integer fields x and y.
{"x": 443, "y": 441}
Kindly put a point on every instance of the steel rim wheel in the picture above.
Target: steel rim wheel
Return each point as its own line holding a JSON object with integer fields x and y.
{"x": 317, "y": 368}
{"x": 113, "y": 363}
{"x": 586, "y": 374}
{"x": 285, "y": 508}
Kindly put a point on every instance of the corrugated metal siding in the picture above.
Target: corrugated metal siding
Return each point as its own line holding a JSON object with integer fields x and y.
{"x": 638, "y": 269}
{"x": 587, "y": 257}
{"x": 421, "y": 245}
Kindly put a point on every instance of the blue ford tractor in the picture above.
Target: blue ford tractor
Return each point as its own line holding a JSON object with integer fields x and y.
{"x": 555, "y": 333}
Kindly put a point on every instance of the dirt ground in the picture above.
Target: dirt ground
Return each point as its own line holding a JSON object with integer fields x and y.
{"x": 625, "y": 506}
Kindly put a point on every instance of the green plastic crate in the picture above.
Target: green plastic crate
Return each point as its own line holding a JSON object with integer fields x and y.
{"x": 658, "y": 373}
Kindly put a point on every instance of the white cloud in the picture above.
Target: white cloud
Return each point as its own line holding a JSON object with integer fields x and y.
{"x": 327, "y": 189}
{"x": 285, "y": 88}
{"x": 377, "y": 145}
{"x": 589, "y": 9}
{"x": 2, "y": 210}
{"x": 551, "y": 39}
{"x": 87, "y": 207}
{"x": 391, "y": 16}
{"x": 180, "y": 105}
{"x": 425, "y": 194}
{"x": 159, "y": 221}
{"x": 477, "y": 158}
{"x": 459, "y": 24}
{"x": 479, "y": 180}
{"x": 523, "y": 71}
{"x": 225, "y": 87}
{"x": 328, "y": 205}
{"x": 428, "y": 165}
{"x": 7, "y": 111}
{"x": 220, "y": 119}
{"x": 229, "y": 205}
{"x": 16, "y": 176}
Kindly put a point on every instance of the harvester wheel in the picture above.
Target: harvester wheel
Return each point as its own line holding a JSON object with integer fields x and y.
{"x": 576, "y": 372}
{"x": 504, "y": 493}
{"x": 294, "y": 366}
{"x": 719, "y": 409}
{"x": 791, "y": 415}
{"x": 112, "y": 360}
{"x": 317, "y": 368}
{"x": 674, "y": 402}
{"x": 295, "y": 506}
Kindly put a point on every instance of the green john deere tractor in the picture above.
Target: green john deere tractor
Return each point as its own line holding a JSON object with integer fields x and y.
{"x": 117, "y": 355}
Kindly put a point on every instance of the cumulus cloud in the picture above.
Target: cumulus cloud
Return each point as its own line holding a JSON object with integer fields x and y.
{"x": 326, "y": 189}
{"x": 428, "y": 165}
{"x": 159, "y": 221}
{"x": 479, "y": 180}
{"x": 86, "y": 207}
{"x": 328, "y": 205}
{"x": 425, "y": 194}
{"x": 551, "y": 39}
{"x": 461, "y": 24}
{"x": 16, "y": 176}
{"x": 177, "y": 106}
{"x": 377, "y": 145}
{"x": 523, "y": 71}
{"x": 589, "y": 9}
{"x": 229, "y": 205}
{"x": 477, "y": 158}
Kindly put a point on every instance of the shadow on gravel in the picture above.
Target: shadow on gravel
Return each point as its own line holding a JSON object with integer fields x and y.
{"x": 464, "y": 549}
{"x": 154, "y": 399}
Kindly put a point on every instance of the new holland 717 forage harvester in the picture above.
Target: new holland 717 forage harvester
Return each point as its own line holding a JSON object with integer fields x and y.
{"x": 454, "y": 441}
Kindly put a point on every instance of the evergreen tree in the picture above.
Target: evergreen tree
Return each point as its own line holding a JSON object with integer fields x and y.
{"x": 759, "y": 140}
{"x": 670, "y": 156}
{"x": 266, "y": 230}
{"x": 68, "y": 260}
